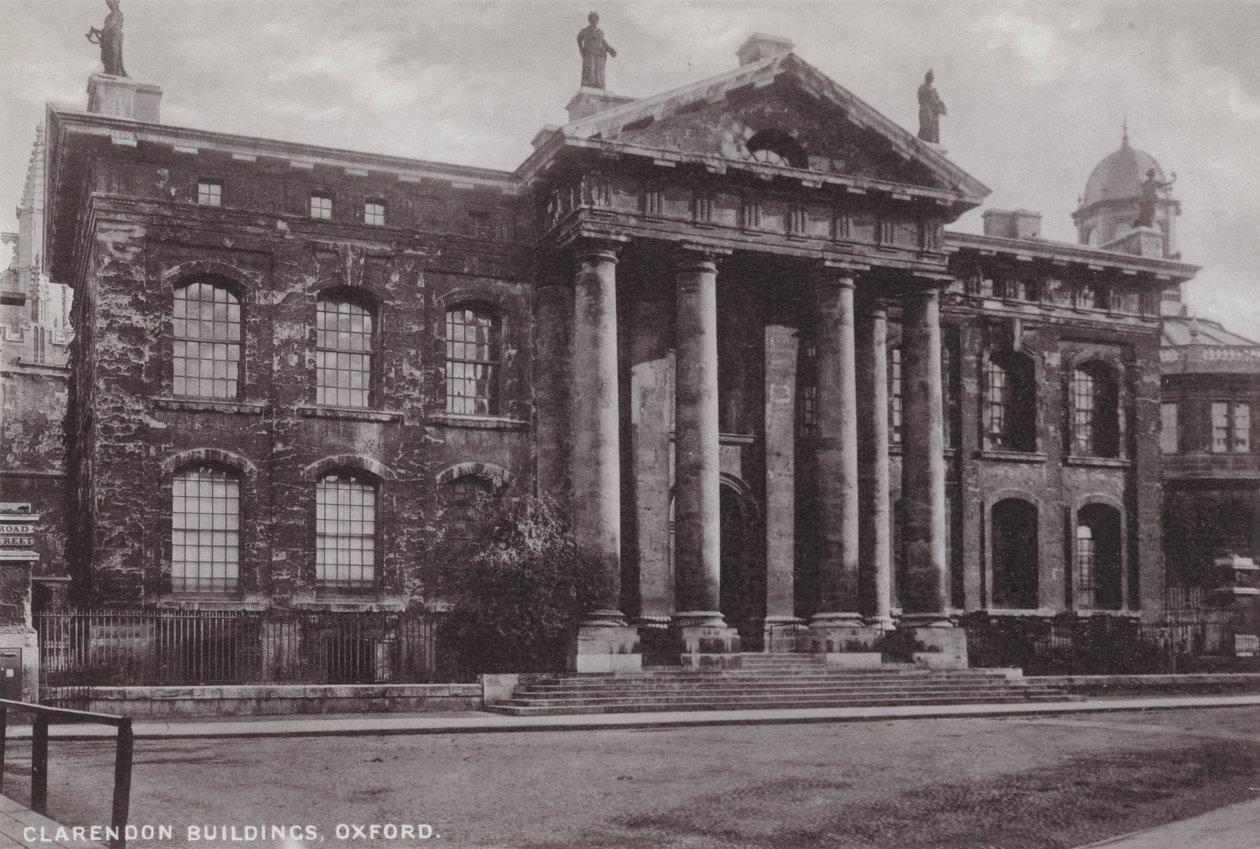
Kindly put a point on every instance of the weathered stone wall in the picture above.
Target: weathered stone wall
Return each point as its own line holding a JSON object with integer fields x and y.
{"x": 132, "y": 433}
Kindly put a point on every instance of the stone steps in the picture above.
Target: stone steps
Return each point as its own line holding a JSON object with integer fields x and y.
{"x": 770, "y": 682}
{"x": 585, "y": 683}
{"x": 727, "y": 692}
{"x": 757, "y": 698}
{"x": 743, "y": 704}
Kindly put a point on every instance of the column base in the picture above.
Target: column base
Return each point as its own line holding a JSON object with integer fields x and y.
{"x": 845, "y": 642}
{"x": 605, "y": 648}
{"x": 656, "y": 640}
{"x": 705, "y": 643}
{"x": 937, "y": 645}
{"x": 786, "y": 634}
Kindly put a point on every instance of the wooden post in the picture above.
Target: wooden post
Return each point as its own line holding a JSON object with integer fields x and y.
{"x": 122, "y": 782}
{"x": 39, "y": 764}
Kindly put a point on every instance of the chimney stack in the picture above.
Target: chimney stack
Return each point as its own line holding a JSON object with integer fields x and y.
{"x": 1012, "y": 223}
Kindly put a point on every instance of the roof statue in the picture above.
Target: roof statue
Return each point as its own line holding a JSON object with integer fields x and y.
{"x": 595, "y": 52}
{"x": 931, "y": 108}
{"x": 1149, "y": 199}
{"x": 110, "y": 38}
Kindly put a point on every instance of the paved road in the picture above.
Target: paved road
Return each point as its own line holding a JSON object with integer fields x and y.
{"x": 922, "y": 784}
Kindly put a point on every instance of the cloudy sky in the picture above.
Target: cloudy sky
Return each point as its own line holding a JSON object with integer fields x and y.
{"x": 1036, "y": 91}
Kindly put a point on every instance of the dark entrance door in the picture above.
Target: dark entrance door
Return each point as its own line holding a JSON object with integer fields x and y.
{"x": 743, "y": 574}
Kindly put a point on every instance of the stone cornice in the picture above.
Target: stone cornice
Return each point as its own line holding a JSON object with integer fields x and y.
{"x": 1063, "y": 253}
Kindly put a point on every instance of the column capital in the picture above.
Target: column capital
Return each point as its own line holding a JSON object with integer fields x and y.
{"x": 874, "y": 307}
{"x": 690, "y": 255}
{"x": 585, "y": 249}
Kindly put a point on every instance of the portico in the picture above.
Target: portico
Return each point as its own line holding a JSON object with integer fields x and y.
{"x": 712, "y": 395}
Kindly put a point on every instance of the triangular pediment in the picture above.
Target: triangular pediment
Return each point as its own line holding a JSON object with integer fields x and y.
{"x": 782, "y": 112}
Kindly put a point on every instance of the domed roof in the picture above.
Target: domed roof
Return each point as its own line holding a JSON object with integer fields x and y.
{"x": 1120, "y": 174}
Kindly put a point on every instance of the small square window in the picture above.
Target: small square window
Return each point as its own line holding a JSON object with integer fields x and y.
{"x": 321, "y": 206}
{"x": 209, "y": 192}
{"x": 374, "y": 212}
{"x": 480, "y": 222}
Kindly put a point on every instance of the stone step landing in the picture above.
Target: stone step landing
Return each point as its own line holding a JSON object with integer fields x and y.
{"x": 767, "y": 681}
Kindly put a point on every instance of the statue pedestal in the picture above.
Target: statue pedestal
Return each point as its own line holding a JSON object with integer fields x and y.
{"x": 590, "y": 101}
{"x": 123, "y": 97}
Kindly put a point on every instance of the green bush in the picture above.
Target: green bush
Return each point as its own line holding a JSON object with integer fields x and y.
{"x": 515, "y": 599}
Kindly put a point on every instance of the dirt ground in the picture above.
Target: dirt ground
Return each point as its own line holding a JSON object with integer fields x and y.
{"x": 1017, "y": 783}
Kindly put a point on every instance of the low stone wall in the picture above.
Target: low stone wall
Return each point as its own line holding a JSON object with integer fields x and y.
{"x": 1154, "y": 685}
{"x": 281, "y": 699}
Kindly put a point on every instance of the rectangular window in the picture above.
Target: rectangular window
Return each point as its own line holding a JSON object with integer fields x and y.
{"x": 205, "y": 531}
{"x": 997, "y": 404}
{"x": 1083, "y": 411}
{"x": 206, "y": 344}
{"x": 1231, "y": 427}
{"x": 209, "y": 193}
{"x": 1169, "y": 436}
{"x": 1220, "y": 427}
{"x": 321, "y": 206}
{"x": 374, "y": 212}
{"x": 345, "y": 533}
{"x": 480, "y": 223}
{"x": 343, "y": 353}
{"x": 472, "y": 362}
{"x": 809, "y": 407}
{"x": 894, "y": 396}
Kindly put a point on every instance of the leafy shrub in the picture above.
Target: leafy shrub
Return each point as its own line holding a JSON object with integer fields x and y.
{"x": 515, "y": 599}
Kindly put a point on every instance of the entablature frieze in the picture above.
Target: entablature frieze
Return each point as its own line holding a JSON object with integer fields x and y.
{"x": 895, "y": 230}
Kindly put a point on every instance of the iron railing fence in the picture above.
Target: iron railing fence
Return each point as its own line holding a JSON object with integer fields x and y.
{"x": 1067, "y": 645}
{"x": 82, "y": 649}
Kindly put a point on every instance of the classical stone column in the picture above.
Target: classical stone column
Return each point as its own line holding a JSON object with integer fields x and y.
{"x": 836, "y": 452}
{"x": 782, "y": 343}
{"x": 874, "y": 527}
{"x": 697, "y": 512}
{"x": 604, "y": 642}
{"x": 925, "y": 588}
{"x": 651, "y": 420}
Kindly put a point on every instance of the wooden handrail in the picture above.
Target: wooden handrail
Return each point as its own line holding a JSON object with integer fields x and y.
{"x": 123, "y": 757}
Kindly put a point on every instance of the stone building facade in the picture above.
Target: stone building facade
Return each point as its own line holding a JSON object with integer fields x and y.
{"x": 725, "y": 327}
{"x": 1209, "y": 408}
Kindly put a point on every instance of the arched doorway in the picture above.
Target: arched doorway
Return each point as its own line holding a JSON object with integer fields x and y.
{"x": 743, "y": 578}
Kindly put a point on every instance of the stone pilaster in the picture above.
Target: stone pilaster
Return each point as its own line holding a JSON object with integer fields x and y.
{"x": 604, "y": 642}
{"x": 651, "y": 420}
{"x": 925, "y": 590}
{"x": 697, "y": 516}
{"x": 874, "y": 525}
{"x": 837, "y": 627}
{"x": 782, "y": 344}
{"x": 553, "y": 369}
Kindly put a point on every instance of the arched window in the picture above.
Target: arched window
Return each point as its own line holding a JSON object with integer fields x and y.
{"x": 775, "y": 147}
{"x": 463, "y": 499}
{"x": 1095, "y": 411}
{"x": 1098, "y": 557}
{"x": 344, "y": 346}
{"x": 206, "y": 322}
{"x": 205, "y": 530}
{"x": 472, "y": 361}
{"x": 345, "y": 531}
{"x": 1014, "y": 553}
{"x": 1010, "y": 415}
